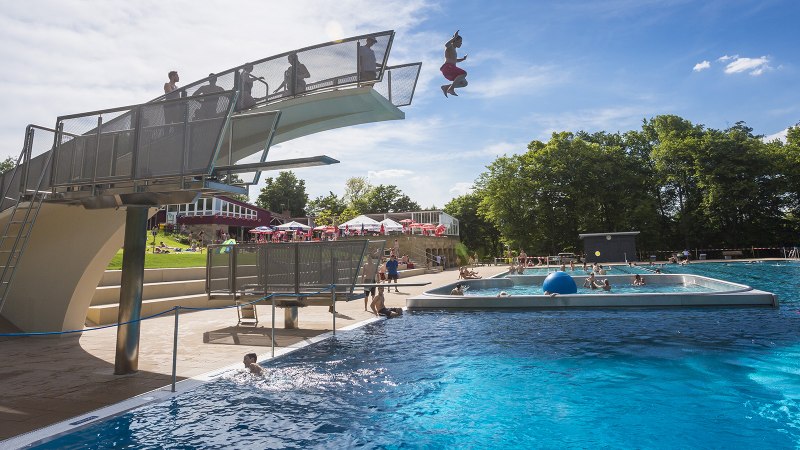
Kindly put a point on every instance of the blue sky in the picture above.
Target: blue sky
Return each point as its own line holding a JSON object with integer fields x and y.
{"x": 535, "y": 67}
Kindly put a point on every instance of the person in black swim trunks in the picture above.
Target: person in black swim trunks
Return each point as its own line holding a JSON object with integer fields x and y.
{"x": 380, "y": 309}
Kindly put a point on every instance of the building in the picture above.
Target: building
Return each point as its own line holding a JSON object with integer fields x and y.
{"x": 214, "y": 216}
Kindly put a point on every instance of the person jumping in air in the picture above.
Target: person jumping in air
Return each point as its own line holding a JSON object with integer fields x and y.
{"x": 450, "y": 70}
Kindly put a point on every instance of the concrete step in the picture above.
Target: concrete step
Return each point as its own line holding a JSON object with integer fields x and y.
{"x": 114, "y": 277}
{"x": 106, "y": 314}
{"x": 106, "y": 295}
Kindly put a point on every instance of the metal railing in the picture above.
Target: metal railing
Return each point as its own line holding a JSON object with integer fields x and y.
{"x": 317, "y": 68}
{"x": 399, "y": 83}
{"x": 173, "y": 138}
{"x": 293, "y": 268}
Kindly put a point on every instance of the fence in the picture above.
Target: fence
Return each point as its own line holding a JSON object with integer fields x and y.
{"x": 294, "y": 267}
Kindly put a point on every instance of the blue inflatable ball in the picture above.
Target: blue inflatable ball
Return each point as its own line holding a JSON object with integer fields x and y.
{"x": 559, "y": 283}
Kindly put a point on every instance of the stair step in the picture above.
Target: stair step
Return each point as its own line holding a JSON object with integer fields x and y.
{"x": 106, "y": 314}
{"x": 105, "y": 295}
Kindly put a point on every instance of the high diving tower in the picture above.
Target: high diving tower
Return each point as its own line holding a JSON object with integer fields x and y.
{"x": 83, "y": 187}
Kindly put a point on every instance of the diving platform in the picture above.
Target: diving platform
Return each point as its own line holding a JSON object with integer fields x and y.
{"x": 63, "y": 207}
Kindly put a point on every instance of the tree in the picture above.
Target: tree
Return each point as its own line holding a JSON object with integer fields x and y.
{"x": 235, "y": 180}
{"x": 7, "y": 164}
{"x": 477, "y": 233}
{"x": 383, "y": 198}
{"x": 286, "y": 192}
{"x": 355, "y": 191}
{"x": 326, "y": 209}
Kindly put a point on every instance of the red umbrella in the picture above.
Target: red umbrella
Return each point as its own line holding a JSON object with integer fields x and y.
{"x": 416, "y": 225}
{"x": 383, "y": 230}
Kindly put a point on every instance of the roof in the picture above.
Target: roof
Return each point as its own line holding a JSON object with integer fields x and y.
{"x": 620, "y": 233}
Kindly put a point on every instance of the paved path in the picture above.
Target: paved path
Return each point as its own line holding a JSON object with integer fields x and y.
{"x": 47, "y": 380}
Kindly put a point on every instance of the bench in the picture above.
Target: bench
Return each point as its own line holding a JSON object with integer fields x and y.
{"x": 728, "y": 254}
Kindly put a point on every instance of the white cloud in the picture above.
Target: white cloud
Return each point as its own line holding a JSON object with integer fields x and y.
{"x": 701, "y": 66}
{"x": 780, "y": 135}
{"x": 531, "y": 79}
{"x": 602, "y": 119}
{"x": 461, "y": 188}
{"x": 380, "y": 176}
{"x": 754, "y": 66}
{"x": 727, "y": 58}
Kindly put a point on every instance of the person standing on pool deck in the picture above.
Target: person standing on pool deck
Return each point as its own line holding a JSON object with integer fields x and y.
{"x": 391, "y": 272}
{"x": 449, "y": 69}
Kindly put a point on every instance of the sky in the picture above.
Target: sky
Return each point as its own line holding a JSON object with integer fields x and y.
{"x": 534, "y": 68}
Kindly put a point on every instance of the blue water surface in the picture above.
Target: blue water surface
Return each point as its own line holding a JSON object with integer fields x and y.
{"x": 649, "y": 378}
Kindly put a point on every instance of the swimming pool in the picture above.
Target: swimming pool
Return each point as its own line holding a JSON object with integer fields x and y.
{"x": 697, "y": 378}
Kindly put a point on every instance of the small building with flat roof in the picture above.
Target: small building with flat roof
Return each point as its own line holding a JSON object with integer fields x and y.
{"x": 609, "y": 247}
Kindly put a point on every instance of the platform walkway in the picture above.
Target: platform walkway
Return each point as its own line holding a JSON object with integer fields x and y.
{"x": 47, "y": 380}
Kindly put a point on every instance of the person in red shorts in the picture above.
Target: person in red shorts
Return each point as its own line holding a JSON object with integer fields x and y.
{"x": 449, "y": 69}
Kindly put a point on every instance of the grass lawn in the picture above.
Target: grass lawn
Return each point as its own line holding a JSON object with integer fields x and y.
{"x": 164, "y": 261}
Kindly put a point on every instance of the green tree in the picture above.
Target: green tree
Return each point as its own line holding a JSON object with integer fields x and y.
{"x": 285, "y": 192}
{"x": 355, "y": 192}
{"x": 383, "y": 198}
{"x": 7, "y": 164}
{"x": 477, "y": 233}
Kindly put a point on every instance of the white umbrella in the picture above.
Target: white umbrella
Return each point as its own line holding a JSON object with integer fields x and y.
{"x": 293, "y": 226}
{"x": 391, "y": 225}
{"x": 361, "y": 222}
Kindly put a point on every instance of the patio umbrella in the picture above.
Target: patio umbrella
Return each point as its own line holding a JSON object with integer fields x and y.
{"x": 406, "y": 221}
{"x": 293, "y": 226}
{"x": 362, "y": 222}
{"x": 321, "y": 228}
{"x": 383, "y": 230}
{"x": 390, "y": 225}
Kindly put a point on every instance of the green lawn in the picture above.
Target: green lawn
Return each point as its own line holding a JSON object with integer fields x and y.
{"x": 164, "y": 261}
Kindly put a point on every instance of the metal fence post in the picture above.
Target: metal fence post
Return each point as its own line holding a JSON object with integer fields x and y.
{"x": 333, "y": 294}
{"x": 96, "y": 153}
{"x": 273, "y": 325}
{"x": 175, "y": 349}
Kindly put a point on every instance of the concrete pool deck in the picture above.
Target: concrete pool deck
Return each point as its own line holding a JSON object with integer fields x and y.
{"x": 45, "y": 380}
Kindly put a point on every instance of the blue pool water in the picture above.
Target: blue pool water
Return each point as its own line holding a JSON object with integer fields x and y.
{"x": 688, "y": 378}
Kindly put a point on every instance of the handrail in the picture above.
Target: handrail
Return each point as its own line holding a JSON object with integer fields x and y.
{"x": 144, "y": 129}
{"x": 260, "y": 69}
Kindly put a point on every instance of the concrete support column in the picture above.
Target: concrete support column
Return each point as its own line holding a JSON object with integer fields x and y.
{"x": 130, "y": 294}
{"x": 290, "y": 318}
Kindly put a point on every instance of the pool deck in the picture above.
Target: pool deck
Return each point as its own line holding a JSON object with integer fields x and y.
{"x": 45, "y": 380}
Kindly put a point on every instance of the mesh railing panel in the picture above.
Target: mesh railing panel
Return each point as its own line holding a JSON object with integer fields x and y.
{"x": 328, "y": 66}
{"x": 295, "y": 267}
{"x": 41, "y": 144}
{"x": 172, "y": 138}
{"x": 399, "y": 83}
{"x": 218, "y": 270}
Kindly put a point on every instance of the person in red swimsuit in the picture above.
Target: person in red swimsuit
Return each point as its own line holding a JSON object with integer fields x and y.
{"x": 449, "y": 69}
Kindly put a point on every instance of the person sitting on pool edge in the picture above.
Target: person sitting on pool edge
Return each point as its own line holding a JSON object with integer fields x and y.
{"x": 251, "y": 364}
{"x": 379, "y": 306}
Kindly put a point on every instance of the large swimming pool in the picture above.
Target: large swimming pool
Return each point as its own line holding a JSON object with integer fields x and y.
{"x": 688, "y": 378}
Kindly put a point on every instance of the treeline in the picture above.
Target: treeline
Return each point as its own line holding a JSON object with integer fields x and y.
{"x": 286, "y": 192}
{"x": 680, "y": 184}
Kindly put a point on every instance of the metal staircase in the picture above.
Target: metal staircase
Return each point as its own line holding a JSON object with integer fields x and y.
{"x": 26, "y": 206}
